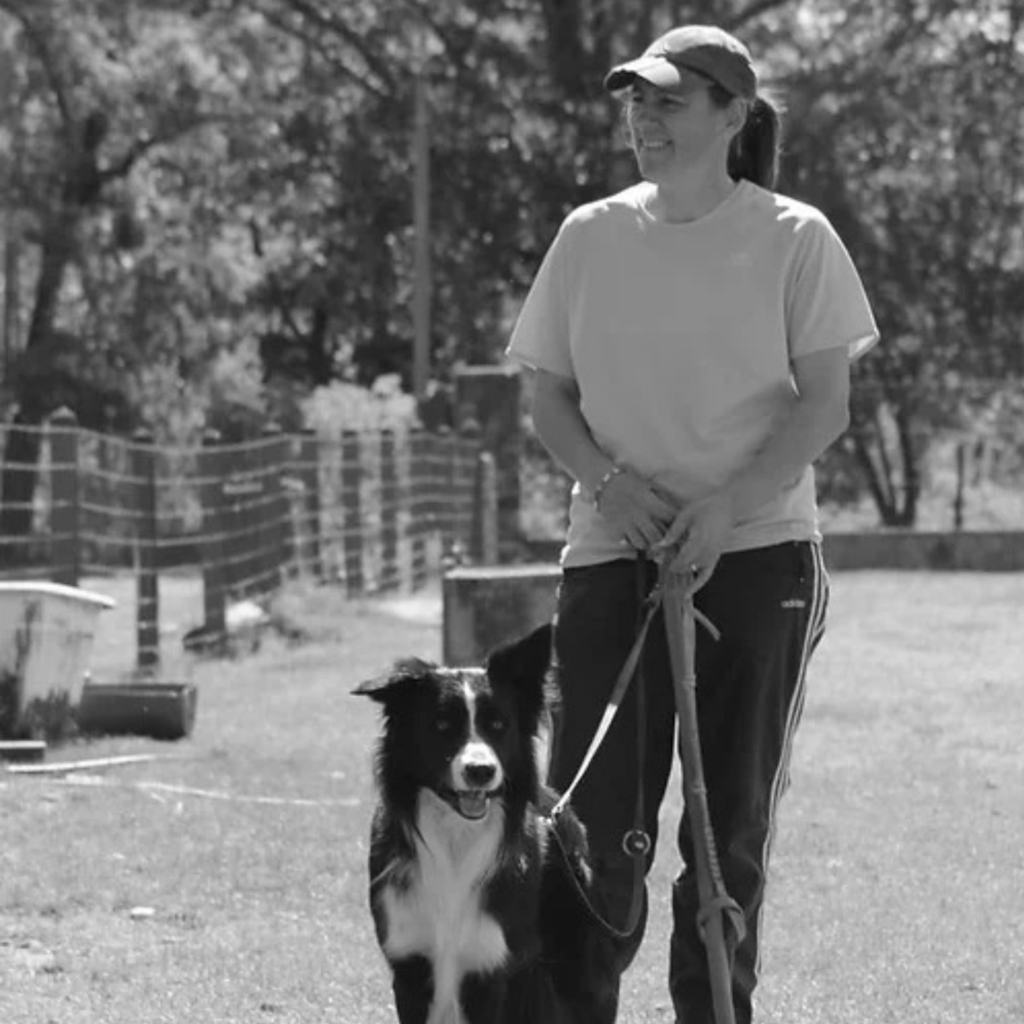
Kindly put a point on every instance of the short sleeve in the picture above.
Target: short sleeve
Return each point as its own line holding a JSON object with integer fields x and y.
{"x": 826, "y": 305}
{"x": 540, "y": 338}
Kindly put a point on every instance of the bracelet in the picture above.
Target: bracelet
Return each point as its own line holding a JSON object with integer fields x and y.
{"x": 604, "y": 482}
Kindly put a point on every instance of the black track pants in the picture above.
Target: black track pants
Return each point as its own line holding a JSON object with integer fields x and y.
{"x": 769, "y": 606}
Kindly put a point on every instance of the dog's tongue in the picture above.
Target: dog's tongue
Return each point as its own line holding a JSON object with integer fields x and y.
{"x": 472, "y": 804}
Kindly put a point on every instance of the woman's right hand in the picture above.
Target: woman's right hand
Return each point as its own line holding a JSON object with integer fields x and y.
{"x": 634, "y": 510}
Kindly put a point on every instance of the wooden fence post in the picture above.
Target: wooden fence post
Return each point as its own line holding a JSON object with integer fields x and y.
{"x": 241, "y": 519}
{"x": 443, "y": 483}
{"x": 309, "y": 473}
{"x": 211, "y": 488}
{"x": 420, "y": 511}
{"x": 961, "y": 478}
{"x": 352, "y": 506}
{"x": 452, "y": 496}
{"x": 65, "y": 548}
{"x": 390, "y": 572}
{"x": 147, "y": 603}
{"x": 483, "y": 544}
{"x": 270, "y": 519}
{"x": 467, "y": 446}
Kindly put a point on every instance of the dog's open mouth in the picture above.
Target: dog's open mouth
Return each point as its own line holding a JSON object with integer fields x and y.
{"x": 470, "y": 803}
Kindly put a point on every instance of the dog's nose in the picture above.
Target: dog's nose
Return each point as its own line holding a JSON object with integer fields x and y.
{"x": 479, "y": 775}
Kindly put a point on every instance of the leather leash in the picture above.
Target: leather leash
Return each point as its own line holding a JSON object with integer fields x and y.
{"x": 719, "y": 918}
{"x": 637, "y": 841}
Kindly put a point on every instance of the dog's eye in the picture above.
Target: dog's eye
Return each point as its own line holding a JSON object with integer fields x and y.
{"x": 444, "y": 726}
{"x": 495, "y": 724}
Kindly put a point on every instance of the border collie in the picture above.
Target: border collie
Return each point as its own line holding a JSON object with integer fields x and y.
{"x": 480, "y": 905}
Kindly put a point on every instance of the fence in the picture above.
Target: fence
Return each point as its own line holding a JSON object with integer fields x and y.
{"x": 370, "y": 511}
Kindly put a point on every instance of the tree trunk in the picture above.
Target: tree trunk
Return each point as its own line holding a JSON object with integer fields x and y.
{"x": 896, "y": 503}
{"x": 879, "y": 488}
{"x": 21, "y": 453}
{"x": 911, "y": 476}
{"x": 12, "y": 300}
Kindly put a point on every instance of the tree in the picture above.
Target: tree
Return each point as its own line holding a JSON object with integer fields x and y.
{"x": 522, "y": 131}
{"x": 908, "y": 133}
{"x": 104, "y": 89}
{"x": 196, "y": 181}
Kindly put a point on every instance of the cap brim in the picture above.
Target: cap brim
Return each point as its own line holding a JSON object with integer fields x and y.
{"x": 665, "y": 74}
{"x": 659, "y": 72}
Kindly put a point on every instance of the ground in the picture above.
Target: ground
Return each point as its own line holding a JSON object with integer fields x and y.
{"x": 224, "y": 880}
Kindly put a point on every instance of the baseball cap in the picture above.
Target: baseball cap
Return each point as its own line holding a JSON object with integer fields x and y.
{"x": 706, "y": 49}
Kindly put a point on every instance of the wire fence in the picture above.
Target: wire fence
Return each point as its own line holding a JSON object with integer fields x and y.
{"x": 964, "y": 483}
{"x": 181, "y": 535}
{"x": 371, "y": 511}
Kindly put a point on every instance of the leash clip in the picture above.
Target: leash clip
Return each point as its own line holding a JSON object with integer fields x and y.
{"x": 636, "y": 842}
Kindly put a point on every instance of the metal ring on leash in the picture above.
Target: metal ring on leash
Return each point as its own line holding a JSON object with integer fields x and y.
{"x": 636, "y": 842}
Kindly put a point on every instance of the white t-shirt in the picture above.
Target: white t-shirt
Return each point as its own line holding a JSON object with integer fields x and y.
{"x": 680, "y": 338}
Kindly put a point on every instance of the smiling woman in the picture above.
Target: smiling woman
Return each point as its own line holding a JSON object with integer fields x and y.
{"x": 672, "y": 129}
{"x": 691, "y": 337}
{"x": 693, "y": 122}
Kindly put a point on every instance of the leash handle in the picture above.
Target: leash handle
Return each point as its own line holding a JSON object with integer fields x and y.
{"x": 637, "y": 842}
{"x": 717, "y": 909}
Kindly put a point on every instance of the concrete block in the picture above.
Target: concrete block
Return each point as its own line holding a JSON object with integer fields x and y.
{"x": 163, "y": 711}
{"x": 484, "y": 606}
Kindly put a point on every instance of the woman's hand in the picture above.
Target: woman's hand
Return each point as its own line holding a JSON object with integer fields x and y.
{"x": 697, "y": 537}
{"x": 634, "y": 511}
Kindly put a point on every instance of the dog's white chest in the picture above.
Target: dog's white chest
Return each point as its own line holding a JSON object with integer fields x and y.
{"x": 439, "y": 915}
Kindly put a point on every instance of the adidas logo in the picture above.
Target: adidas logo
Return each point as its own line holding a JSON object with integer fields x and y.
{"x": 794, "y": 602}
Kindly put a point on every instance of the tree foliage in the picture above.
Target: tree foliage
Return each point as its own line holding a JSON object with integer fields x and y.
{"x": 103, "y": 89}
{"x": 208, "y": 206}
{"x": 912, "y": 142}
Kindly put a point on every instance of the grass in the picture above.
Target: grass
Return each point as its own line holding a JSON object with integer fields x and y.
{"x": 897, "y": 871}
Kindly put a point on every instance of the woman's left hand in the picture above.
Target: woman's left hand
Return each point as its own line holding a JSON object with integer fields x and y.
{"x": 696, "y": 539}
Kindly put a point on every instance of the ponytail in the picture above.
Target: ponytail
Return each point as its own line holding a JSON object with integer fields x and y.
{"x": 754, "y": 152}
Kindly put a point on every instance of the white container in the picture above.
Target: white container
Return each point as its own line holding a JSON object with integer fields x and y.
{"x": 46, "y": 638}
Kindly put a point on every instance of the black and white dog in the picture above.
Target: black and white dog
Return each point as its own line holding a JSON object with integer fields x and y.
{"x": 476, "y": 895}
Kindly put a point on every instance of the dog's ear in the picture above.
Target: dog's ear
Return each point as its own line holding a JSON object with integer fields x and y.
{"x": 524, "y": 660}
{"x": 404, "y": 673}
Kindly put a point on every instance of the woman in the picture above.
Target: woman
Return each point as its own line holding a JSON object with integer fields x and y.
{"x": 691, "y": 338}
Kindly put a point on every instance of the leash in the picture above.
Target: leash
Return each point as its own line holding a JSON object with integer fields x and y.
{"x": 719, "y": 918}
{"x": 652, "y": 603}
{"x": 637, "y": 841}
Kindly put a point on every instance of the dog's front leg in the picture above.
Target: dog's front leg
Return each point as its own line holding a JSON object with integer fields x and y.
{"x": 484, "y": 998}
{"x": 413, "y": 985}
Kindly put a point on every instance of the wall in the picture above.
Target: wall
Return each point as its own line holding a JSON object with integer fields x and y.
{"x": 979, "y": 551}
{"x": 975, "y": 550}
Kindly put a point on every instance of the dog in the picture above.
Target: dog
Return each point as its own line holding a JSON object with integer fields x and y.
{"x": 479, "y": 899}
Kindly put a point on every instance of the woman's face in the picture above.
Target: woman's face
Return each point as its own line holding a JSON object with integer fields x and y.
{"x": 672, "y": 130}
